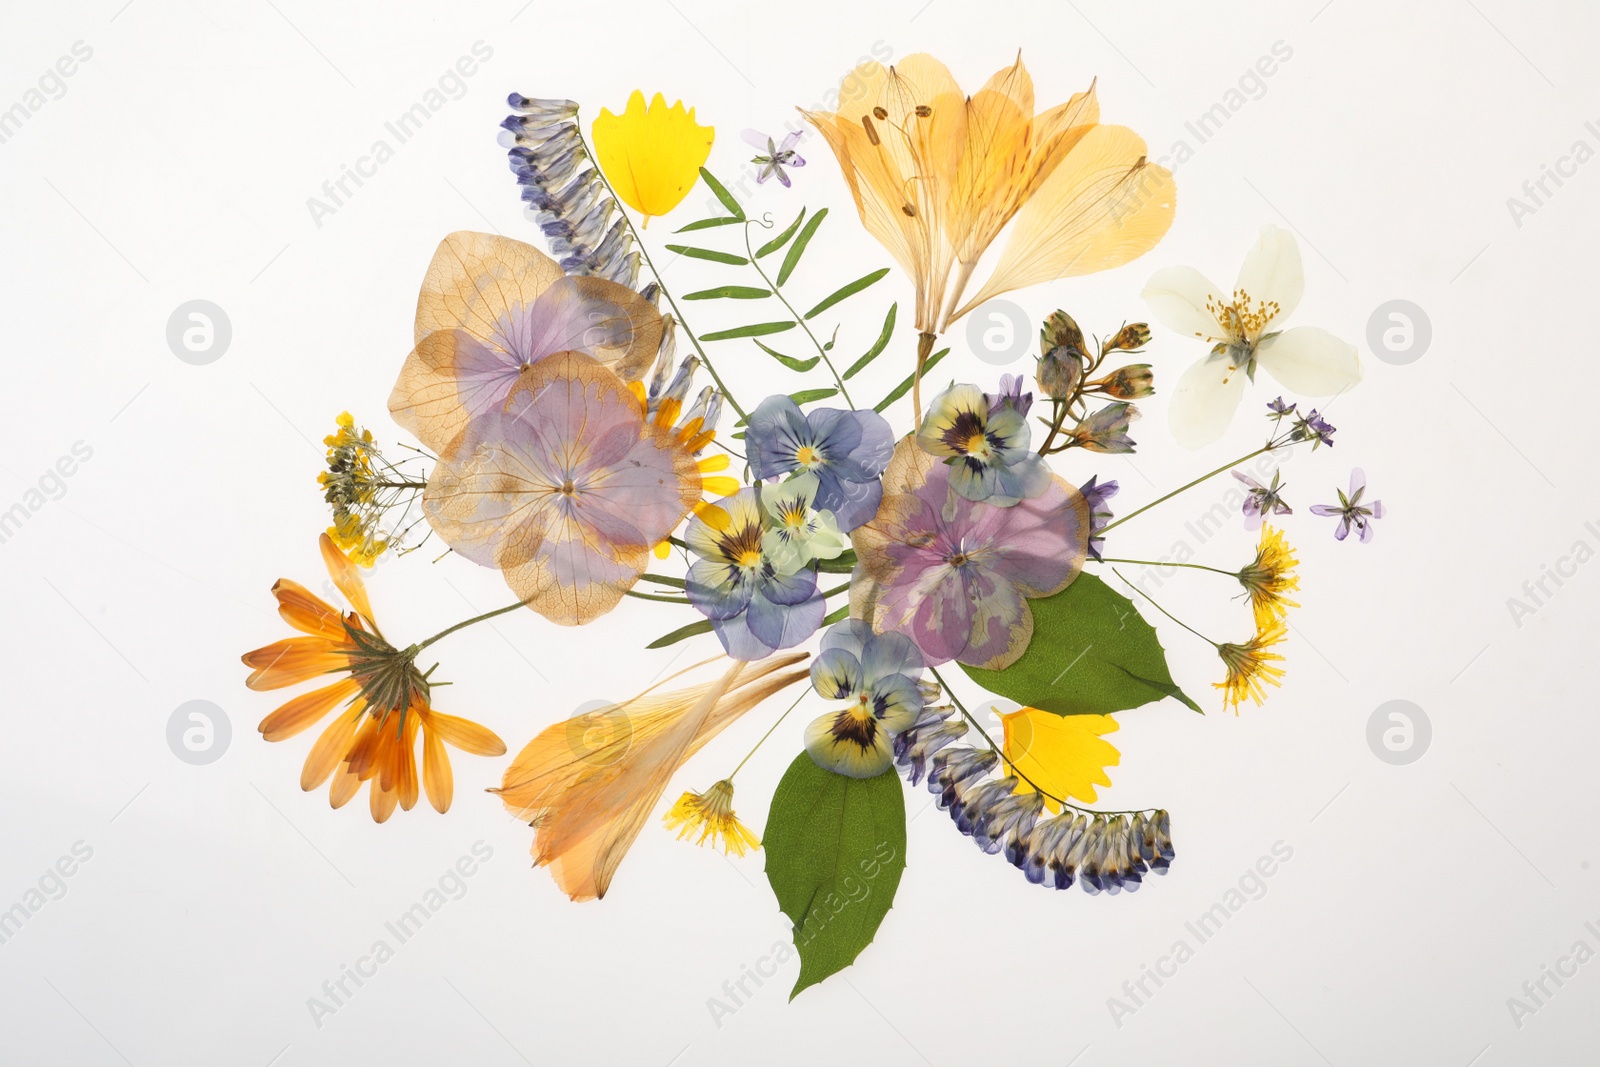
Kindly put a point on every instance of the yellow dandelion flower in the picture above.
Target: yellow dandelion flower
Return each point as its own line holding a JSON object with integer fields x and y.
{"x": 1062, "y": 754}
{"x": 1251, "y": 667}
{"x": 651, "y": 156}
{"x": 1269, "y": 576}
{"x": 712, "y": 814}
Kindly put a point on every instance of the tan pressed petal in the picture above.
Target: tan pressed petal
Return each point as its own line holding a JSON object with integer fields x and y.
{"x": 475, "y": 278}
{"x": 299, "y": 713}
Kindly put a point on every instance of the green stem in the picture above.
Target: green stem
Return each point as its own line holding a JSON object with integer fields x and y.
{"x": 467, "y": 622}
{"x": 653, "y": 596}
{"x": 1165, "y": 612}
{"x": 836, "y": 590}
{"x": 823, "y": 352}
{"x": 645, "y": 253}
{"x": 1169, "y": 563}
{"x": 768, "y": 734}
{"x": 1268, "y": 447}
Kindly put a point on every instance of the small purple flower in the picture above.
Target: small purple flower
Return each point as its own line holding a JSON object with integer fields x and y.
{"x": 846, "y": 450}
{"x": 1315, "y": 428}
{"x": 1262, "y": 500}
{"x": 1106, "y": 430}
{"x": 1099, "y": 514}
{"x": 1277, "y": 410}
{"x": 1351, "y": 510}
{"x": 776, "y": 157}
{"x": 1011, "y": 393}
{"x": 985, "y": 441}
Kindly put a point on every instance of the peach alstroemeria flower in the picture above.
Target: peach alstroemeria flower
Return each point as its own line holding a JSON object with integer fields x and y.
{"x": 588, "y": 784}
{"x": 387, "y": 700}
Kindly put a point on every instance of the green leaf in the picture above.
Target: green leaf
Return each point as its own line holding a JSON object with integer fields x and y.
{"x": 836, "y": 848}
{"x": 806, "y": 396}
{"x": 760, "y": 329}
{"x": 707, "y": 253}
{"x": 706, "y": 224}
{"x": 732, "y": 292}
{"x": 801, "y": 365}
{"x": 701, "y": 627}
{"x": 1092, "y": 653}
{"x": 904, "y": 387}
{"x": 782, "y": 238}
{"x": 792, "y": 257}
{"x": 846, "y": 291}
{"x": 722, "y": 194}
{"x": 877, "y": 346}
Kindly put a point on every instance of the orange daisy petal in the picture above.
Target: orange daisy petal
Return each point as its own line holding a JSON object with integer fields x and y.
{"x": 293, "y": 660}
{"x": 305, "y": 709}
{"x": 382, "y": 803}
{"x": 346, "y": 578}
{"x": 330, "y": 749}
{"x": 307, "y": 612}
{"x": 437, "y": 778}
{"x": 465, "y": 734}
{"x": 345, "y": 785}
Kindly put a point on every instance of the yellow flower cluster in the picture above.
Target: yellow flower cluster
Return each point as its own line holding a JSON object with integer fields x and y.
{"x": 350, "y": 486}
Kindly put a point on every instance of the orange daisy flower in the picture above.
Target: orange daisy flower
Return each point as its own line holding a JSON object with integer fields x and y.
{"x": 387, "y": 701}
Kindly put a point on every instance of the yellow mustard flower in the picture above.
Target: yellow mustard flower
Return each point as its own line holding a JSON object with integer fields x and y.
{"x": 1269, "y": 576}
{"x": 651, "y": 155}
{"x": 1251, "y": 667}
{"x": 1064, "y": 755}
{"x": 712, "y": 814}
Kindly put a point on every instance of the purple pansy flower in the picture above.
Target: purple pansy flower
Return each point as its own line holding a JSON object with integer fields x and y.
{"x": 846, "y": 450}
{"x": 776, "y": 156}
{"x": 754, "y": 609}
{"x": 1262, "y": 499}
{"x": 955, "y": 575}
{"x": 1097, "y": 494}
{"x": 1351, "y": 510}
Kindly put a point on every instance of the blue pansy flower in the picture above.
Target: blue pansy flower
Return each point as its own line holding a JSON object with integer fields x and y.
{"x": 878, "y": 678}
{"x": 846, "y": 450}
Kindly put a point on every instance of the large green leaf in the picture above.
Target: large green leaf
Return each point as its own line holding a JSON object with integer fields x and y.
{"x": 1092, "y": 653}
{"x": 836, "y": 848}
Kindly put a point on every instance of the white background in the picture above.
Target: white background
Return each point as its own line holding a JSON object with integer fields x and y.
{"x": 218, "y": 898}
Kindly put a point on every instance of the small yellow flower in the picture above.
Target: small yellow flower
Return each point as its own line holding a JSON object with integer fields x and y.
{"x": 1269, "y": 576}
{"x": 651, "y": 156}
{"x": 1251, "y": 667}
{"x": 712, "y": 814}
{"x": 1062, "y": 754}
{"x": 351, "y": 485}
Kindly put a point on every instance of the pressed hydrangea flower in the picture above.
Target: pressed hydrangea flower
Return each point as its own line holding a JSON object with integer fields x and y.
{"x": 387, "y": 700}
{"x": 651, "y": 155}
{"x": 774, "y": 156}
{"x": 490, "y": 310}
{"x": 1351, "y": 510}
{"x": 1251, "y": 666}
{"x": 954, "y": 575}
{"x": 877, "y": 677}
{"x": 569, "y": 487}
{"x": 1261, "y": 500}
{"x": 1244, "y": 330}
{"x": 712, "y": 814}
{"x": 797, "y": 532}
{"x": 753, "y": 607}
{"x": 986, "y": 444}
{"x": 1269, "y": 576}
{"x": 846, "y": 450}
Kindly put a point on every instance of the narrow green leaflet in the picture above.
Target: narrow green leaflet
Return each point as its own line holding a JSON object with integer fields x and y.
{"x": 722, "y": 194}
{"x": 801, "y": 365}
{"x": 707, "y": 253}
{"x": 1092, "y": 653}
{"x": 782, "y": 238}
{"x": 732, "y": 292}
{"x": 792, "y": 258}
{"x": 806, "y": 396}
{"x": 706, "y": 224}
{"x": 846, "y": 291}
{"x": 905, "y": 387}
{"x": 760, "y": 329}
{"x": 701, "y": 627}
{"x": 836, "y": 848}
{"x": 877, "y": 346}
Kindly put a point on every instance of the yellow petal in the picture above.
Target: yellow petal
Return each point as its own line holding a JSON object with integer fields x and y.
{"x": 651, "y": 156}
{"x": 1063, "y": 754}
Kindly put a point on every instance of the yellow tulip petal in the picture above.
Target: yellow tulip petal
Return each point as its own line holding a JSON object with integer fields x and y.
{"x": 651, "y": 156}
{"x": 1063, "y": 754}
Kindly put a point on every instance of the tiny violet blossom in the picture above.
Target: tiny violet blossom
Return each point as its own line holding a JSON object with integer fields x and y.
{"x": 1261, "y": 500}
{"x": 754, "y": 609}
{"x": 775, "y": 156}
{"x": 1316, "y": 429}
{"x": 1245, "y": 331}
{"x": 846, "y": 450}
{"x": 985, "y": 442}
{"x": 1351, "y": 510}
{"x": 877, "y": 676}
{"x": 797, "y": 532}
{"x": 1097, "y": 493}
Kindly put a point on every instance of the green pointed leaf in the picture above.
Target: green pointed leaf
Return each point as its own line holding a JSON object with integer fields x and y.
{"x": 782, "y": 238}
{"x": 801, "y": 365}
{"x": 905, "y": 387}
{"x": 709, "y": 254}
{"x": 760, "y": 329}
{"x": 706, "y": 224}
{"x": 730, "y": 292}
{"x": 792, "y": 257}
{"x": 722, "y": 194}
{"x": 846, "y": 291}
{"x": 701, "y": 627}
{"x": 835, "y": 848}
{"x": 877, "y": 346}
{"x": 806, "y": 396}
{"x": 1092, "y": 653}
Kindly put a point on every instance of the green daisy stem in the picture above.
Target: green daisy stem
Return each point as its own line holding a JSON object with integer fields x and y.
{"x": 467, "y": 622}
{"x": 976, "y": 725}
{"x": 644, "y": 252}
{"x": 1168, "y": 563}
{"x": 1165, "y": 612}
{"x": 766, "y": 735}
{"x": 1268, "y": 447}
{"x": 777, "y": 292}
